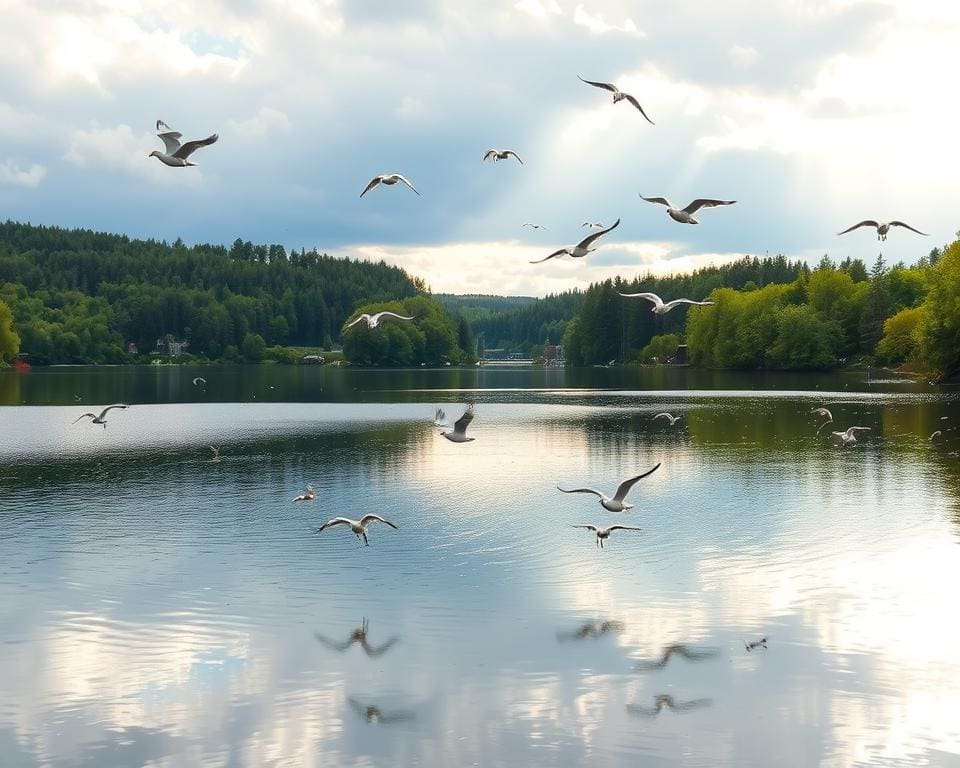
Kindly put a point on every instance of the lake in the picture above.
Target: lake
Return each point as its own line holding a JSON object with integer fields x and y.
{"x": 163, "y": 608}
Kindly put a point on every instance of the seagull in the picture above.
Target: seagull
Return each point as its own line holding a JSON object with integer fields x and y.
{"x": 666, "y": 700}
{"x": 307, "y": 495}
{"x": 459, "y": 432}
{"x": 761, "y": 643}
{"x": 848, "y": 437}
{"x": 685, "y": 215}
{"x": 358, "y": 636}
{"x": 659, "y": 308}
{"x": 881, "y": 227}
{"x": 672, "y": 419}
{"x": 936, "y": 434}
{"x": 582, "y": 248}
{"x": 617, "y": 503}
{"x": 440, "y": 419}
{"x": 678, "y": 649}
{"x": 386, "y": 178}
{"x": 175, "y": 154}
{"x": 359, "y": 527}
{"x": 101, "y": 418}
{"x": 593, "y": 225}
{"x": 826, "y": 414}
{"x": 501, "y": 154}
{"x": 216, "y": 453}
{"x": 199, "y": 380}
{"x": 376, "y": 715}
{"x": 535, "y": 226}
{"x": 618, "y": 95}
{"x": 604, "y": 533}
{"x": 591, "y": 629}
{"x": 374, "y": 320}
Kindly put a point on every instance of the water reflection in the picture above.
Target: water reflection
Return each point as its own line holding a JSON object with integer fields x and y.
{"x": 662, "y": 700}
{"x": 377, "y": 716}
{"x": 358, "y": 637}
{"x": 591, "y": 630}
{"x": 677, "y": 649}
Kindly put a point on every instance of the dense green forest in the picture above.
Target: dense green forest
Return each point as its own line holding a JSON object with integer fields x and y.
{"x": 525, "y": 327}
{"x": 473, "y": 307}
{"x": 80, "y": 296}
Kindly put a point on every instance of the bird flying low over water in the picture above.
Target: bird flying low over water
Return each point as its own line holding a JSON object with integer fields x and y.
{"x": 216, "y": 453}
{"x": 374, "y": 320}
{"x": 459, "y": 432}
{"x": 659, "y": 307}
{"x": 752, "y": 646}
{"x": 389, "y": 179}
{"x": 882, "y": 228}
{"x": 677, "y": 649}
{"x": 604, "y": 533}
{"x": 668, "y": 416}
{"x": 376, "y": 715}
{"x": 440, "y": 418}
{"x": 685, "y": 215}
{"x": 199, "y": 380}
{"x": 102, "y": 417}
{"x": 666, "y": 700}
{"x": 618, "y": 95}
{"x": 935, "y": 435}
{"x": 582, "y": 248}
{"x": 501, "y": 154}
{"x": 617, "y": 503}
{"x": 825, "y": 412}
{"x": 359, "y": 527}
{"x": 358, "y": 637}
{"x": 849, "y": 437}
{"x": 308, "y": 495}
{"x": 175, "y": 154}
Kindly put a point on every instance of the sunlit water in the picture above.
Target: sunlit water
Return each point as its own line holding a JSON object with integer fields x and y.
{"x": 159, "y": 608}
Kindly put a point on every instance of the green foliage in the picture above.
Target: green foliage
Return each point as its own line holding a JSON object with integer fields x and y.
{"x": 804, "y": 340}
{"x": 902, "y": 336}
{"x": 9, "y": 340}
{"x": 529, "y": 323}
{"x": 941, "y": 327}
{"x": 254, "y": 347}
{"x": 660, "y": 348}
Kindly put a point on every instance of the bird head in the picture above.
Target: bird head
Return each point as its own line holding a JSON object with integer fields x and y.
{"x": 155, "y": 153}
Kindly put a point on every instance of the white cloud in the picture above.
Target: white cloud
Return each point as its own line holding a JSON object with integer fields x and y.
{"x": 539, "y": 9}
{"x": 743, "y": 56}
{"x": 11, "y": 173}
{"x": 411, "y": 108}
{"x": 267, "y": 122}
{"x": 598, "y": 25}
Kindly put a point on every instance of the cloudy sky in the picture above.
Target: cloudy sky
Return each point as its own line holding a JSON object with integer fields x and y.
{"x": 812, "y": 114}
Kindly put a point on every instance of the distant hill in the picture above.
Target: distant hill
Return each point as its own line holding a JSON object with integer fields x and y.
{"x": 474, "y": 306}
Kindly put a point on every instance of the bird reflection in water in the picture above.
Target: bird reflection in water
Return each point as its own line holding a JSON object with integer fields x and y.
{"x": 374, "y": 714}
{"x": 678, "y": 649}
{"x": 662, "y": 700}
{"x": 359, "y": 637}
{"x": 590, "y": 629}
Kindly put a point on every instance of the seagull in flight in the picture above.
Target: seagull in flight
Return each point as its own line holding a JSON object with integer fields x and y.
{"x": 678, "y": 649}
{"x": 175, "y": 154}
{"x": 593, "y": 224}
{"x": 583, "y": 247}
{"x": 440, "y": 419}
{"x": 761, "y": 643}
{"x": 308, "y": 495}
{"x": 685, "y": 215}
{"x": 604, "y": 533}
{"x": 101, "y": 418}
{"x": 825, "y": 412}
{"x": 882, "y": 228}
{"x": 617, "y": 503}
{"x": 389, "y": 179}
{"x": 199, "y": 380}
{"x": 618, "y": 95}
{"x": 358, "y": 637}
{"x": 659, "y": 308}
{"x": 501, "y": 154}
{"x": 935, "y": 435}
{"x": 669, "y": 417}
{"x": 534, "y": 226}
{"x": 849, "y": 437}
{"x": 359, "y": 527}
{"x": 216, "y": 453}
{"x": 374, "y": 320}
{"x": 375, "y": 715}
{"x": 459, "y": 432}
{"x": 666, "y": 700}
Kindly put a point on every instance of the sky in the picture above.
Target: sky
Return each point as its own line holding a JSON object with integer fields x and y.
{"x": 811, "y": 114}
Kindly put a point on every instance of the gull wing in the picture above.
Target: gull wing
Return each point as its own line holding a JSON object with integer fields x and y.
{"x": 490, "y": 153}
{"x": 899, "y": 224}
{"x": 636, "y": 103}
{"x": 657, "y": 301}
{"x": 84, "y": 416}
{"x": 335, "y": 521}
{"x": 823, "y": 412}
{"x": 363, "y": 316}
{"x": 461, "y": 424}
{"x": 391, "y": 314}
{"x": 677, "y": 302}
{"x": 606, "y": 86}
{"x": 170, "y": 138}
{"x": 660, "y": 200}
{"x": 589, "y": 527}
{"x": 404, "y": 180}
{"x": 367, "y": 519}
{"x": 626, "y": 485}
{"x": 664, "y": 415}
{"x": 111, "y": 407}
{"x": 510, "y": 152}
{"x": 590, "y": 239}
{"x": 192, "y": 146}
{"x": 561, "y": 252}
{"x": 705, "y": 202}
{"x": 581, "y": 490}
{"x": 331, "y": 644}
{"x": 634, "y": 709}
{"x": 624, "y": 527}
{"x": 851, "y": 430}
{"x": 686, "y": 706}
{"x": 864, "y": 223}
{"x": 530, "y": 224}
{"x": 373, "y": 182}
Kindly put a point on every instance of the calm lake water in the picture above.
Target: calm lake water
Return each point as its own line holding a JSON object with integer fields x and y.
{"x": 159, "y": 608}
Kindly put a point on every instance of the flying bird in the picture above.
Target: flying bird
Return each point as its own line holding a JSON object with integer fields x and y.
{"x": 175, "y": 154}
{"x": 216, "y": 453}
{"x": 761, "y": 643}
{"x": 685, "y": 215}
{"x": 359, "y": 527}
{"x": 669, "y": 417}
{"x": 535, "y": 226}
{"x": 501, "y": 154}
{"x": 358, "y": 637}
{"x": 666, "y": 700}
{"x": 849, "y": 437}
{"x": 617, "y": 503}
{"x": 199, "y": 380}
{"x": 308, "y": 495}
{"x": 604, "y": 533}
{"x": 101, "y": 418}
{"x": 618, "y": 95}
{"x": 593, "y": 224}
{"x": 583, "y": 247}
{"x": 374, "y": 320}
{"x": 389, "y": 179}
{"x": 881, "y": 227}
{"x": 826, "y": 414}
{"x": 678, "y": 649}
{"x": 459, "y": 432}
{"x": 936, "y": 434}
{"x": 440, "y": 419}
{"x": 375, "y": 715}
{"x": 659, "y": 308}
